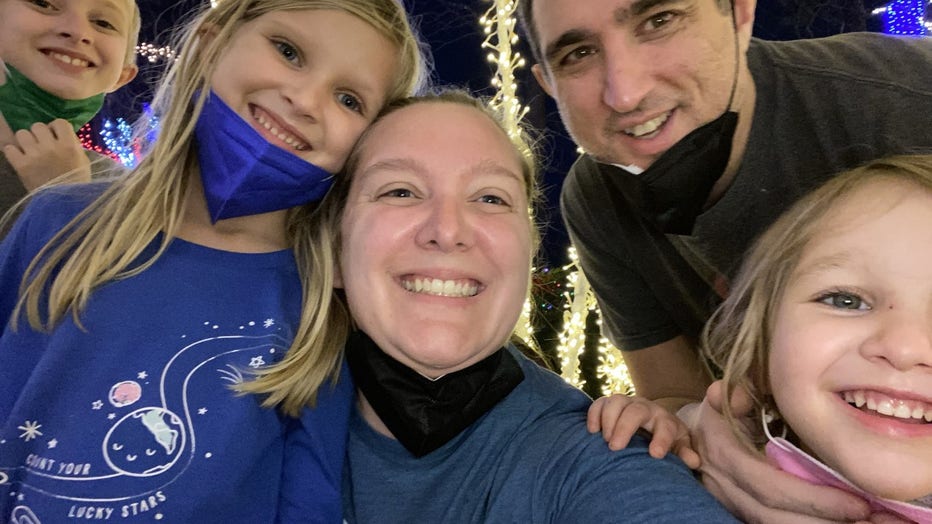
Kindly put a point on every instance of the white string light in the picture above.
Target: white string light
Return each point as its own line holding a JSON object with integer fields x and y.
{"x": 498, "y": 24}
{"x": 155, "y": 53}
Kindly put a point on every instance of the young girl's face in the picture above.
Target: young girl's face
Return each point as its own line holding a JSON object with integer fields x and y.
{"x": 73, "y": 49}
{"x": 851, "y": 357}
{"x": 308, "y": 80}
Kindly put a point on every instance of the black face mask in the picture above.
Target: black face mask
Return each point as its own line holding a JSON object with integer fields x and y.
{"x": 678, "y": 183}
{"x": 425, "y": 414}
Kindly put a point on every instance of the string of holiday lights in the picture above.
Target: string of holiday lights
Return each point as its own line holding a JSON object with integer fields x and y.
{"x": 499, "y": 24}
{"x": 905, "y": 17}
{"x": 154, "y": 53}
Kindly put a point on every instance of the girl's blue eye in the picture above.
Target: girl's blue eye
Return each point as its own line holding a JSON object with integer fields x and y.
{"x": 287, "y": 51}
{"x": 843, "y": 300}
{"x": 350, "y": 102}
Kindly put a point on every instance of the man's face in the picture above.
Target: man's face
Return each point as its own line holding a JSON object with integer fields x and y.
{"x": 633, "y": 77}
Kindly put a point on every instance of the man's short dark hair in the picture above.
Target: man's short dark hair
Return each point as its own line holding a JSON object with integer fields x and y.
{"x": 526, "y": 19}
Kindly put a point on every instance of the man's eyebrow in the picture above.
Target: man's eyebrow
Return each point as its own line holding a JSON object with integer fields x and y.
{"x": 619, "y": 15}
{"x": 639, "y": 7}
{"x": 568, "y": 38}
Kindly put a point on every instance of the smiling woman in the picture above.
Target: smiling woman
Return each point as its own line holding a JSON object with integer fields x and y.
{"x": 434, "y": 242}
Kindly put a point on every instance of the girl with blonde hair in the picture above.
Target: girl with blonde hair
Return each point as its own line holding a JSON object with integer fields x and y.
{"x": 828, "y": 327}
{"x": 134, "y": 310}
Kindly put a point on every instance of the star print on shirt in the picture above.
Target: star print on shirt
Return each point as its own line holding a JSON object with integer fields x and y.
{"x": 142, "y": 375}
{"x": 202, "y": 411}
{"x": 268, "y": 323}
{"x": 30, "y": 430}
{"x": 256, "y": 362}
{"x": 97, "y": 404}
{"x": 53, "y": 443}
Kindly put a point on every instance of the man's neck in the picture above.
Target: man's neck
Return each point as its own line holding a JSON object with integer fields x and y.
{"x": 745, "y": 104}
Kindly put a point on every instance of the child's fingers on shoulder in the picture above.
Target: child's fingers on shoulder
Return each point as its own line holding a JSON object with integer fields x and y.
{"x": 62, "y": 130}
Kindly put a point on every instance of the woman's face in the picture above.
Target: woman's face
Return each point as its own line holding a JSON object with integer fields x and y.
{"x": 436, "y": 237}
{"x": 851, "y": 358}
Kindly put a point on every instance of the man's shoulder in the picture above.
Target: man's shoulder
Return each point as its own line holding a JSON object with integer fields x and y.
{"x": 861, "y": 57}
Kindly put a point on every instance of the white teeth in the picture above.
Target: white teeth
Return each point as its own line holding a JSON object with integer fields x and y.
{"x": 903, "y": 409}
{"x": 884, "y": 407}
{"x": 444, "y": 288}
{"x": 647, "y": 127}
{"x": 69, "y": 60}
{"x": 859, "y": 400}
{"x": 294, "y": 142}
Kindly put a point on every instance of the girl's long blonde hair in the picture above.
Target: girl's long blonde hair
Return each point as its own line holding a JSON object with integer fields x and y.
{"x": 738, "y": 336}
{"x": 100, "y": 244}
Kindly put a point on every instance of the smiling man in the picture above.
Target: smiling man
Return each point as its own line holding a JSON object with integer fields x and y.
{"x": 697, "y": 136}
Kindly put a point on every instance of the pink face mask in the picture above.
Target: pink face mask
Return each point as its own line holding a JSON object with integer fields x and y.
{"x": 795, "y": 461}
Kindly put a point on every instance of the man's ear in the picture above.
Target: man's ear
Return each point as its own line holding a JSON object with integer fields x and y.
{"x": 543, "y": 79}
{"x": 744, "y": 18}
{"x": 126, "y": 76}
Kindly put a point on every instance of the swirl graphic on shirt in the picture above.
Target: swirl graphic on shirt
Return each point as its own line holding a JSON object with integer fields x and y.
{"x": 144, "y": 450}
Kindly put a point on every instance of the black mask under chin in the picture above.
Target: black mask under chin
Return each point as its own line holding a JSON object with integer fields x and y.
{"x": 678, "y": 183}
{"x": 425, "y": 414}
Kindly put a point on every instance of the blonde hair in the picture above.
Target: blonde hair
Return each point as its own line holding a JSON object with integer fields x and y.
{"x": 132, "y": 36}
{"x": 100, "y": 244}
{"x": 738, "y": 336}
{"x": 334, "y": 321}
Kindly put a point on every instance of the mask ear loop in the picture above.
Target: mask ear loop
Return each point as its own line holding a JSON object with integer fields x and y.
{"x": 734, "y": 81}
{"x": 766, "y": 417}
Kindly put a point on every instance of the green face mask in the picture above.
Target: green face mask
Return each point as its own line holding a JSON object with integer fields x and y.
{"x": 23, "y": 103}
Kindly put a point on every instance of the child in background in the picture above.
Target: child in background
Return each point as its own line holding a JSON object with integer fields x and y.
{"x": 57, "y": 60}
{"x": 829, "y": 328}
{"x": 132, "y": 310}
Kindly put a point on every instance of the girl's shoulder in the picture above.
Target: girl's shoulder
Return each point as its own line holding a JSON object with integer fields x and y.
{"x": 57, "y": 205}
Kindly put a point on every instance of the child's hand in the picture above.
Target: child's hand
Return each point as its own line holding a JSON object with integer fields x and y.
{"x": 46, "y": 151}
{"x": 620, "y": 416}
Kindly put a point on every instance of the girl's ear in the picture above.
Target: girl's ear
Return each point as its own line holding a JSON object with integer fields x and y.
{"x": 207, "y": 31}
{"x": 205, "y": 35}
{"x": 126, "y": 76}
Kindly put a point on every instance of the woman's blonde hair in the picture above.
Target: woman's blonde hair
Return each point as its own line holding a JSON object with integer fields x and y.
{"x": 738, "y": 336}
{"x": 100, "y": 244}
{"x": 334, "y": 321}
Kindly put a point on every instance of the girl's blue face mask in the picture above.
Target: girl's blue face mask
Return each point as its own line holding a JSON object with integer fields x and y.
{"x": 243, "y": 174}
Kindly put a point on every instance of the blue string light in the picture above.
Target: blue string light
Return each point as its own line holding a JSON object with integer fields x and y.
{"x": 905, "y": 17}
{"x": 118, "y": 138}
